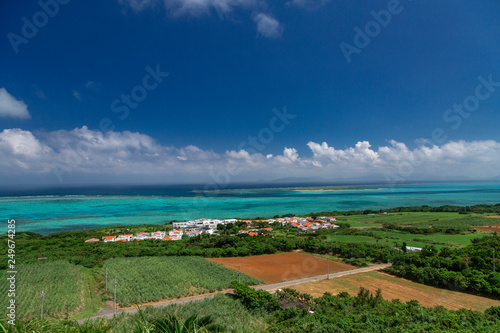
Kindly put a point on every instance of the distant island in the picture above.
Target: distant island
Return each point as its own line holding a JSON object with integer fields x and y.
{"x": 335, "y": 188}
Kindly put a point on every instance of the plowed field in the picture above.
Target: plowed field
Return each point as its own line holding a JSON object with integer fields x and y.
{"x": 394, "y": 287}
{"x": 274, "y": 268}
{"x": 489, "y": 228}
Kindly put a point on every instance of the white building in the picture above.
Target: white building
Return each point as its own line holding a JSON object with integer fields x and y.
{"x": 202, "y": 223}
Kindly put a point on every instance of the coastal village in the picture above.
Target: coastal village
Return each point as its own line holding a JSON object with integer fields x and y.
{"x": 209, "y": 226}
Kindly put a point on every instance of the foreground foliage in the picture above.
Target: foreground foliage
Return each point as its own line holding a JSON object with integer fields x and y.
{"x": 259, "y": 311}
{"x": 365, "y": 313}
{"x": 220, "y": 314}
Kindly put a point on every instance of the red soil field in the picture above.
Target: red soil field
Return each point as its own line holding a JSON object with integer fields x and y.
{"x": 274, "y": 268}
{"x": 393, "y": 287}
{"x": 489, "y": 228}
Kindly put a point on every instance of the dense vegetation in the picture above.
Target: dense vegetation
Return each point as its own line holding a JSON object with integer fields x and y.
{"x": 467, "y": 269}
{"x": 61, "y": 282}
{"x": 150, "y": 279}
{"x": 362, "y": 313}
{"x": 285, "y": 311}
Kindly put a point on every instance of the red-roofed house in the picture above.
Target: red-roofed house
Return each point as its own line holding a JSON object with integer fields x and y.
{"x": 108, "y": 239}
{"x": 92, "y": 240}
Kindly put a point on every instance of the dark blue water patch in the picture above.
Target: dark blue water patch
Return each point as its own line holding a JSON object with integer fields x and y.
{"x": 178, "y": 190}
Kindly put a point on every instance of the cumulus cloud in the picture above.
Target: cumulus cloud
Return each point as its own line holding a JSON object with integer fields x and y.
{"x": 268, "y": 26}
{"x": 83, "y": 154}
{"x": 23, "y": 153}
{"x": 12, "y": 107}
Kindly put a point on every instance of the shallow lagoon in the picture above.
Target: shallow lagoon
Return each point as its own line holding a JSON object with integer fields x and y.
{"x": 54, "y": 211}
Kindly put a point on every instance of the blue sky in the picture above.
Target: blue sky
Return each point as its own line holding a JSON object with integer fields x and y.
{"x": 229, "y": 64}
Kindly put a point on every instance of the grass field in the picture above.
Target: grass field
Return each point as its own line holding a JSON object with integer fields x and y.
{"x": 398, "y": 288}
{"x": 417, "y": 219}
{"x": 149, "y": 279}
{"x": 361, "y": 224}
{"x": 62, "y": 283}
{"x": 351, "y": 238}
{"x": 417, "y": 240}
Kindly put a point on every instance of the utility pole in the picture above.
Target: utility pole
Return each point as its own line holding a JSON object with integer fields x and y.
{"x": 327, "y": 268}
{"x": 41, "y": 310}
{"x": 114, "y": 311}
{"x": 239, "y": 272}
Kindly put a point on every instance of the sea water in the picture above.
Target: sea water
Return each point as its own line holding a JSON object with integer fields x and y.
{"x": 61, "y": 209}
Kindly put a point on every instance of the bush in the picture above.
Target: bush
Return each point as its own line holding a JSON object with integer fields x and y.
{"x": 255, "y": 299}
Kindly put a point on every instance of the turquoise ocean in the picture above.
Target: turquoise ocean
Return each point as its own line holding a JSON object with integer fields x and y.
{"x": 61, "y": 209}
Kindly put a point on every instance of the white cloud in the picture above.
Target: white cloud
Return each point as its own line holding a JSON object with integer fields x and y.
{"x": 12, "y": 107}
{"x": 86, "y": 155}
{"x": 191, "y": 7}
{"x": 23, "y": 153}
{"x": 268, "y": 26}
{"x": 289, "y": 156}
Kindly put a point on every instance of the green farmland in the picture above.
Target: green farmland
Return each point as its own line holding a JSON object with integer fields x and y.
{"x": 418, "y": 219}
{"x": 460, "y": 222}
{"x": 62, "y": 283}
{"x": 149, "y": 279}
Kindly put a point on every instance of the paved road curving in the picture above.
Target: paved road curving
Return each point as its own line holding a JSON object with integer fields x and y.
{"x": 108, "y": 313}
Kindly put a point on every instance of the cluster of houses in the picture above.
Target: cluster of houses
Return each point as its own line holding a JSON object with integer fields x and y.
{"x": 162, "y": 235}
{"x": 204, "y": 225}
{"x": 255, "y": 232}
{"x": 307, "y": 223}
{"x": 209, "y": 226}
